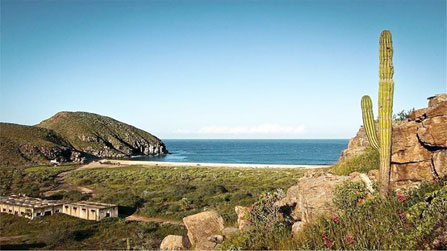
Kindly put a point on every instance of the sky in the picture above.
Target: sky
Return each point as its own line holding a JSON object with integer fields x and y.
{"x": 217, "y": 69}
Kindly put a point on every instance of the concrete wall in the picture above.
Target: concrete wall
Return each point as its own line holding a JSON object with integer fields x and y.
{"x": 89, "y": 213}
{"x": 79, "y": 211}
{"x": 29, "y": 212}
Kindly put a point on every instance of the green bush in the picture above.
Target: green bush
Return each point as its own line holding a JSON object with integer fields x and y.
{"x": 361, "y": 163}
{"x": 164, "y": 189}
{"x": 269, "y": 227}
{"x": 361, "y": 221}
{"x": 401, "y": 221}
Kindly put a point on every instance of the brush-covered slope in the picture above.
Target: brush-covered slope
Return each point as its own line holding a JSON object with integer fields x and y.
{"x": 25, "y": 145}
{"x": 102, "y": 136}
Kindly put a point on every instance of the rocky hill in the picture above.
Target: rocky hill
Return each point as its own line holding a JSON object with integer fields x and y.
{"x": 73, "y": 137}
{"x": 419, "y": 145}
{"x": 102, "y": 136}
{"x": 23, "y": 145}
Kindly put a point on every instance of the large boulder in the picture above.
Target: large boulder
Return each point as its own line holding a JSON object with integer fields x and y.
{"x": 174, "y": 242}
{"x": 315, "y": 196}
{"x": 419, "y": 144}
{"x": 203, "y": 226}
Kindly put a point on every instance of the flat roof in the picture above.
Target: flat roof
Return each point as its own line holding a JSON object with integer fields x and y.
{"x": 24, "y": 201}
{"x": 91, "y": 204}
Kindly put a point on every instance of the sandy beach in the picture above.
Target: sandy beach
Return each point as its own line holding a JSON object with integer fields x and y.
{"x": 189, "y": 164}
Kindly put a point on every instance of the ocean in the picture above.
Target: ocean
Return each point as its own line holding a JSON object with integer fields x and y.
{"x": 290, "y": 151}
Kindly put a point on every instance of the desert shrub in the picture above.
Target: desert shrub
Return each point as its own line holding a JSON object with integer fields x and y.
{"x": 70, "y": 196}
{"x": 400, "y": 221}
{"x": 361, "y": 163}
{"x": 30, "y": 181}
{"x": 269, "y": 227}
{"x": 161, "y": 187}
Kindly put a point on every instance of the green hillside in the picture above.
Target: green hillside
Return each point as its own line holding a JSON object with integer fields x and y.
{"x": 24, "y": 145}
{"x": 102, "y": 136}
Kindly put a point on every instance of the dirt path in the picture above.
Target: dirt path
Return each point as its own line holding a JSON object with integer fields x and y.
{"x": 14, "y": 237}
{"x": 137, "y": 217}
{"x": 64, "y": 185}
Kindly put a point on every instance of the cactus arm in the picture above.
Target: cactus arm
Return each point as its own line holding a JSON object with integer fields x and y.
{"x": 368, "y": 122}
{"x": 386, "y": 92}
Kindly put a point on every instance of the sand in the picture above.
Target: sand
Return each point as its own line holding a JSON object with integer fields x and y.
{"x": 188, "y": 164}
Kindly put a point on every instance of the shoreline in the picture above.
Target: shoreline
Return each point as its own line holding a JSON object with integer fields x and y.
{"x": 194, "y": 164}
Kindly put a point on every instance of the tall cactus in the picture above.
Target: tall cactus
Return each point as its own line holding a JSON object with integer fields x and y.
{"x": 386, "y": 91}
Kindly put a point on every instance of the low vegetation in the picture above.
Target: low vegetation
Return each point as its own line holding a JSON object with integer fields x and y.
{"x": 178, "y": 192}
{"x": 400, "y": 221}
{"x": 363, "y": 163}
{"x": 30, "y": 181}
{"x": 66, "y": 232}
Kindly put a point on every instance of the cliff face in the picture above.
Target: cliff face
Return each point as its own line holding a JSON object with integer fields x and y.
{"x": 419, "y": 145}
{"x": 23, "y": 145}
{"x": 102, "y": 136}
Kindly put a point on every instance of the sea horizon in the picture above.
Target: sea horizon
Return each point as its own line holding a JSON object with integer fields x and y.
{"x": 252, "y": 151}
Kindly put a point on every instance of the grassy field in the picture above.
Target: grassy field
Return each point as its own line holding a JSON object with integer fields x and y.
{"x": 152, "y": 191}
{"x": 177, "y": 192}
{"x": 65, "y": 232}
{"x": 31, "y": 181}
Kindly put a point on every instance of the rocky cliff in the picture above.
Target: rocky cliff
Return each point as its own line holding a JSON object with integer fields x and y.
{"x": 102, "y": 136}
{"x": 22, "y": 145}
{"x": 419, "y": 145}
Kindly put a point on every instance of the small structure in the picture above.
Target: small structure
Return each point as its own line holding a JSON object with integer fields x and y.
{"x": 90, "y": 210}
{"x": 29, "y": 207}
{"x": 54, "y": 162}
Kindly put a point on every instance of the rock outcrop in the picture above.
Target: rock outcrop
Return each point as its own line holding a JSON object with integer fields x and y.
{"x": 419, "y": 145}
{"x": 102, "y": 136}
{"x": 175, "y": 242}
{"x": 204, "y": 229}
{"x": 313, "y": 195}
{"x": 242, "y": 217}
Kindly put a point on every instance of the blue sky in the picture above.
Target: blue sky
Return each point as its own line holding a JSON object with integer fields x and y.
{"x": 217, "y": 69}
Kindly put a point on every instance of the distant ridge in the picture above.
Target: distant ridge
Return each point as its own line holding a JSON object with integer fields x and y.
{"x": 74, "y": 136}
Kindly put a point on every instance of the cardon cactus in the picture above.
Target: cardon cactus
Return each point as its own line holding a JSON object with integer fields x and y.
{"x": 386, "y": 91}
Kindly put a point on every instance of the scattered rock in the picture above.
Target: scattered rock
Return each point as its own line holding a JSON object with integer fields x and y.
{"x": 229, "y": 231}
{"x": 175, "y": 242}
{"x": 216, "y": 238}
{"x": 374, "y": 175}
{"x": 242, "y": 217}
{"x": 202, "y": 226}
{"x": 296, "y": 227}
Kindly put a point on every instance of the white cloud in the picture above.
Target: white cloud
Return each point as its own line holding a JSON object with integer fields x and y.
{"x": 249, "y": 130}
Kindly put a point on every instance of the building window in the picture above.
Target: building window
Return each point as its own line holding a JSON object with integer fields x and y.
{"x": 107, "y": 215}
{"x": 66, "y": 207}
{"x": 22, "y": 213}
{"x": 47, "y": 212}
{"x": 93, "y": 211}
{"x": 57, "y": 211}
{"x": 37, "y": 214}
{"x": 4, "y": 209}
{"x": 84, "y": 209}
{"x": 10, "y": 210}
